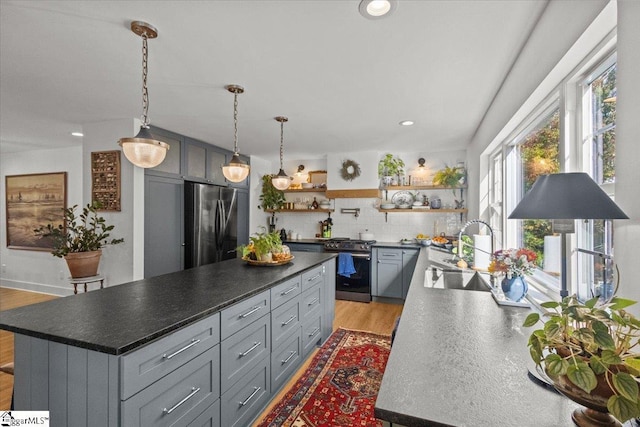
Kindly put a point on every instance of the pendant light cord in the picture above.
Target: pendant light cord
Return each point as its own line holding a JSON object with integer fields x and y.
{"x": 281, "y": 142}
{"x": 145, "y": 92}
{"x": 235, "y": 123}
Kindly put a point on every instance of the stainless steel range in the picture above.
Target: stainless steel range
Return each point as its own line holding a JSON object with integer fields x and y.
{"x": 352, "y": 286}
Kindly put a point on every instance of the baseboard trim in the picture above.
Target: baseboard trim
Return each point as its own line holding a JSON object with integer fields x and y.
{"x": 36, "y": 287}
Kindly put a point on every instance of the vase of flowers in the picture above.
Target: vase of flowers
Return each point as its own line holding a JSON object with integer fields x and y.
{"x": 513, "y": 264}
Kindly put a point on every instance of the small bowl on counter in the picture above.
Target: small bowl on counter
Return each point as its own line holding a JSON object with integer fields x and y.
{"x": 424, "y": 242}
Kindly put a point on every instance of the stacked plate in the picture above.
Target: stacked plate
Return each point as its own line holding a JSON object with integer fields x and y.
{"x": 387, "y": 206}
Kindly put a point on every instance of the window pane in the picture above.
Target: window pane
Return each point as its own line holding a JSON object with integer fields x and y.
{"x": 603, "y": 119}
{"x": 539, "y": 155}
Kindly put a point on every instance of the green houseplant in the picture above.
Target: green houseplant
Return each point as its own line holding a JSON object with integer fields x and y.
{"x": 448, "y": 177}
{"x": 262, "y": 245}
{"x": 390, "y": 166}
{"x": 80, "y": 239}
{"x": 271, "y": 197}
{"x": 590, "y": 352}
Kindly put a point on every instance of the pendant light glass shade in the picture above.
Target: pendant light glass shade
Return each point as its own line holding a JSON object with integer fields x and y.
{"x": 237, "y": 170}
{"x": 281, "y": 181}
{"x": 143, "y": 150}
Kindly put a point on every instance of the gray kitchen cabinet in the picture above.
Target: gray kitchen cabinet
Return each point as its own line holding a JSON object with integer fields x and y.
{"x": 329, "y": 274}
{"x": 386, "y": 274}
{"x": 163, "y": 229}
{"x": 244, "y": 401}
{"x": 285, "y": 359}
{"x": 172, "y": 163}
{"x": 243, "y": 217}
{"x": 203, "y": 162}
{"x": 392, "y": 271}
{"x": 409, "y": 260}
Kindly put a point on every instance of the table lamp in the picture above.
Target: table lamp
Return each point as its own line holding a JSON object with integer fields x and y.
{"x": 563, "y": 198}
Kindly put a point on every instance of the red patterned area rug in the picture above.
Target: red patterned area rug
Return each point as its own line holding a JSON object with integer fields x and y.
{"x": 340, "y": 386}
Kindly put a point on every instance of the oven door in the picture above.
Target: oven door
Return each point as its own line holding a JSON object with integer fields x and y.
{"x": 357, "y": 286}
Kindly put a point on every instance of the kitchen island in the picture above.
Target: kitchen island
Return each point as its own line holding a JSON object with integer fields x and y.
{"x": 174, "y": 349}
{"x": 460, "y": 359}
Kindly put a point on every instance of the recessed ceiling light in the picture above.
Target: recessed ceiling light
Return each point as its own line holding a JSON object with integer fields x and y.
{"x": 77, "y": 134}
{"x": 406, "y": 123}
{"x": 376, "y": 9}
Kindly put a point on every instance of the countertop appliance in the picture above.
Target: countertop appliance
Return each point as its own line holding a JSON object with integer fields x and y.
{"x": 357, "y": 286}
{"x": 211, "y": 223}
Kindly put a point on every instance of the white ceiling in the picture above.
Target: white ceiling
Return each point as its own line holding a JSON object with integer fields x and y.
{"x": 344, "y": 81}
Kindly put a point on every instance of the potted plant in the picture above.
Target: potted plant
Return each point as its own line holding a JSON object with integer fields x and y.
{"x": 389, "y": 167}
{"x": 271, "y": 197}
{"x": 263, "y": 246}
{"x": 80, "y": 240}
{"x": 589, "y": 350}
{"x": 448, "y": 177}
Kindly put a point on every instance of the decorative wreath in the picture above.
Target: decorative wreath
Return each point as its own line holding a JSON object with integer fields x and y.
{"x": 350, "y": 170}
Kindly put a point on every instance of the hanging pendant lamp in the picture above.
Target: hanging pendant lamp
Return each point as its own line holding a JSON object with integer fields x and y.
{"x": 281, "y": 181}
{"x": 143, "y": 150}
{"x": 237, "y": 169}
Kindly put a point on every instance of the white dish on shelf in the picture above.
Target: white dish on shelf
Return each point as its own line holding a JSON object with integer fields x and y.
{"x": 307, "y": 185}
{"x": 404, "y": 206}
{"x": 387, "y": 206}
{"x": 402, "y": 198}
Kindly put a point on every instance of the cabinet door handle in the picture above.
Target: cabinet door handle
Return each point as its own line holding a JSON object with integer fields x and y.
{"x": 311, "y": 279}
{"x": 315, "y": 331}
{"x": 288, "y": 291}
{"x": 255, "y": 391}
{"x": 388, "y": 254}
{"x": 285, "y": 361}
{"x": 250, "y": 312}
{"x": 291, "y": 319}
{"x": 253, "y": 347}
{"x": 186, "y": 347}
{"x": 177, "y": 405}
{"x": 313, "y": 301}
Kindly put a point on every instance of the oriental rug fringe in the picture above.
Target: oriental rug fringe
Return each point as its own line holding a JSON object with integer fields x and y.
{"x": 340, "y": 386}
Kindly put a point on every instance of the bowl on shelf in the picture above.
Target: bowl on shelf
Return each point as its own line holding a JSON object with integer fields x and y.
{"x": 404, "y": 206}
{"x": 387, "y": 206}
{"x": 307, "y": 185}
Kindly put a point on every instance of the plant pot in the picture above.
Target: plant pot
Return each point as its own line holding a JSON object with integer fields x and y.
{"x": 83, "y": 264}
{"x": 266, "y": 257}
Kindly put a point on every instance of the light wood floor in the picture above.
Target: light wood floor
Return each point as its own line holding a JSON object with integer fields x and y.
{"x": 373, "y": 317}
{"x": 11, "y": 298}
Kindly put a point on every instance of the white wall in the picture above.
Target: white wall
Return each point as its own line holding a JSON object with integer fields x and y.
{"x": 36, "y": 270}
{"x": 627, "y": 232}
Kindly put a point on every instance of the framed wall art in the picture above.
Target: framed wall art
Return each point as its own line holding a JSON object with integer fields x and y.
{"x": 105, "y": 179}
{"x": 34, "y": 200}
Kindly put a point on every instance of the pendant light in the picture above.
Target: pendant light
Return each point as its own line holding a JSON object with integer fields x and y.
{"x": 281, "y": 181}
{"x": 237, "y": 169}
{"x": 143, "y": 150}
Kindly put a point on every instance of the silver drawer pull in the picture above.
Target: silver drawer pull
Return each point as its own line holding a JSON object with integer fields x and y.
{"x": 291, "y": 319}
{"x": 311, "y": 279}
{"x": 387, "y": 254}
{"x": 315, "y": 331}
{"x": 253, "y": 347}
{"x": 174, "y": 407}
{"x": 288, "y": 291}
{"x": 313, "y": 301}
{"x": 255, "y": 391}
{"x": 293, "y": 353}
{"x": 250, "y": 312}
{"x": 186, "y": 347}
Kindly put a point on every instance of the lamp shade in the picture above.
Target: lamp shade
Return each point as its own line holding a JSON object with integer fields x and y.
{"x": 281, "y": 181}
{"x": 236, "y": 170}
{"x": 566, "y": 196}
{"x": 143, "y": 150}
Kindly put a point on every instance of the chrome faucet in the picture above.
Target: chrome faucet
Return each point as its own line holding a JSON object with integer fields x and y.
{"x": 461, "y": 243}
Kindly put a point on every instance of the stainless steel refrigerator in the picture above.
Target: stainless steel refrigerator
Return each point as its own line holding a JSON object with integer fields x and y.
{"x": 211, "y": 223}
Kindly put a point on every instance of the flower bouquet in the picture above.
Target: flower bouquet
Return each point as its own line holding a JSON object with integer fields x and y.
{"x": 513, "y": 262}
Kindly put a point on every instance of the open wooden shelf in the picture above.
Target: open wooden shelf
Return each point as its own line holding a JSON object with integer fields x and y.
{"x": 434, "y": 211}
{"x": 422, "y": 187}
{"x": 304, "y": 190}
{"x": 300, "y": 210}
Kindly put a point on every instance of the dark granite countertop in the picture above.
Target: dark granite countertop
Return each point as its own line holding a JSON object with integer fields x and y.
{"x": 459, "y": 359}
{"x": 121, "y": 318}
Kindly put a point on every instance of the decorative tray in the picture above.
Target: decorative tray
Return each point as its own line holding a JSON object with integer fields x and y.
{"x": 268, "y": 263}
{"x": 402, "y": 198}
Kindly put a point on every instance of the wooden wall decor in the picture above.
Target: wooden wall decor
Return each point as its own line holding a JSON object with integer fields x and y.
{"x": 105, "y": 179}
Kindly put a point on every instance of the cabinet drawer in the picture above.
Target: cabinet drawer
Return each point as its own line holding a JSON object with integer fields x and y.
{"x": 311, "y": 303}
{"x": 179, "y": 397}
{"x": 148, "y": 364}
{"x": 311, "y": 334}
{"x": 285, "y": 291}
{"x": 285, "y": 359}
{"x": 284, "y": 319}
{"x": 312, "y": 277}
{"x": 243, "y": 350}
{"x": 209, "y": 418}
{"x": 238, "y": 316}
{"x": 247, "y": 397}
{"x": 384, "y": 253}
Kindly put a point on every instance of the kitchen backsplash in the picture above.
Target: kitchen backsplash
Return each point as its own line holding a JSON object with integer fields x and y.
{"x": 399, "y": 225}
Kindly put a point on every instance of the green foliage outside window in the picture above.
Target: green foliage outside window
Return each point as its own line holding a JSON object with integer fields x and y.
{"x": 603, "y": 106}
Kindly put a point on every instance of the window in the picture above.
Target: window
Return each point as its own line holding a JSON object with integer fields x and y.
{"x": 495, "y": 195}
